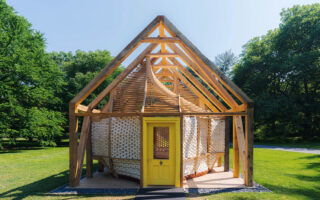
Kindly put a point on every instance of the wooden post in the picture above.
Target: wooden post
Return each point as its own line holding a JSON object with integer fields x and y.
{"x": 181, "y": 151}
{"x": 219, "y": 161}
{"x": 73, "y": 145}
{"x": 235, "y": 150}
{"x": 249, "y": 147}
{"x": 227, "y": 145}
{"x": 100, "y": 166}
{"x": 89, "y": 163}
{"x": 141, "y": 150}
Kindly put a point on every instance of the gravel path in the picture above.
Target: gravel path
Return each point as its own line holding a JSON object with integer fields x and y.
{"x": 293, "y": 149}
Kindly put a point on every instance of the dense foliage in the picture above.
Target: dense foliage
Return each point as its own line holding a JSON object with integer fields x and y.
{"x": 30, "y": 82}
{"x": 35, "y": 86}
{"x": 280, "y": 71}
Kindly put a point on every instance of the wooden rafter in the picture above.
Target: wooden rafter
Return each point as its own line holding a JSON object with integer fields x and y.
{"x": 205, "y": 91}
{"x": 84, "y": 108}
{"x": 207, "y": 77}
{"x": 174, "y": 32}
{"x": 92, "y": 85}
{"x": 162, "y": 55}
{"x": 121, "y": 76}
{"x": 160, "y": 40}
{"x": 195, "y": 91}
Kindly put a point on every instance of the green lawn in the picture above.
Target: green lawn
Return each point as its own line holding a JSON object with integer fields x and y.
{"x": 30, "y": 174}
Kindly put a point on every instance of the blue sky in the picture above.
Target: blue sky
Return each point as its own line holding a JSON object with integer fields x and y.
{"x": 213, "y": 26}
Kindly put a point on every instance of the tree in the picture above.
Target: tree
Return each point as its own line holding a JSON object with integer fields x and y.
{"x": 225, "y": 61}
{"x": 80, "y": 68}
{"x": 281, "y": 72}
{"x": 30, "y": 83}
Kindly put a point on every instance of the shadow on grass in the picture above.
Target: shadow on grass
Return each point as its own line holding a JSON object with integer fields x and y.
{"x": 42, "y": 187}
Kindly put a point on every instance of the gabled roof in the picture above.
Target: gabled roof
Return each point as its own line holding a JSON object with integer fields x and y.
{"x": 167, "y": 67}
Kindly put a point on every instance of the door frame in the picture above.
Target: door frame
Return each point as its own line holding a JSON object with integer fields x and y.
{"x": 162, "y": 120}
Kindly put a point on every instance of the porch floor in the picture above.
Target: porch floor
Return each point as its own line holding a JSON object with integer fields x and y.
{"x": 218, "y": 179}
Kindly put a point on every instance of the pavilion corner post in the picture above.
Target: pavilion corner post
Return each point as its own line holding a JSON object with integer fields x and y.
{"x": 89, "y": 160}
{"x": 249, "y": 128}
{"x": 227, "y": 144}
{"x": 235, "y": 149}
{"x": 73, "y": 145}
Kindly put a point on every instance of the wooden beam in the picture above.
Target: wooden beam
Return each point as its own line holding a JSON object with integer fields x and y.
{"x": 73, "y": 145}
{"x": 164, "y": 74}
{"x": 196, "y": 160}
{"x": 122, "y": 76}
{"x": 223, "y": 78}
{"x": 84, "y": 108}
{"x": 160, "y": 40}
{"x": 196, "y": 92}
{"x": 235, "y": 150}
{"x": 100, "y": 166}
{"x": 144, "y": 96}
{"x": 146, "y": 114}
{"x": 160, "y": 55}
{"x": 89, "y": 161}
{"x": 226, "y": 164}
{"x": 241, "y": 144}
{"x": 206, "y": 76}
{"x": 163, "y": 46}
{"x": 249, "y": 146}
{"x": 92, "y": 85}
{"x": 199, "y": 85}
{"x": 81, "y": 147}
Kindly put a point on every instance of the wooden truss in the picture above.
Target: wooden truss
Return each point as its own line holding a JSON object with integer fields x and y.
{"x": 164, "y": 70}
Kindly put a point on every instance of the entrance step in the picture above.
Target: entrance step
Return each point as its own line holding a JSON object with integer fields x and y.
{"x": 161, "y": 193}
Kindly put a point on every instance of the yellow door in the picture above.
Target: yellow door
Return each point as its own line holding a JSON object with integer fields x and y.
{"x": 161, "y": 151}
{"x": 161, "y": 156}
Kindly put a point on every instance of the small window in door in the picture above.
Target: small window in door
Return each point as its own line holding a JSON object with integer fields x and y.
{"x": 161, "y": 143}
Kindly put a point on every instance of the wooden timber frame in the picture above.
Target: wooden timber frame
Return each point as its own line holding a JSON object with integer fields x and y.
{"x": 223, "y": 99}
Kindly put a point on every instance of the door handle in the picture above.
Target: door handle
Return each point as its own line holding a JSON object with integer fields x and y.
{"x": 160, "y": 162}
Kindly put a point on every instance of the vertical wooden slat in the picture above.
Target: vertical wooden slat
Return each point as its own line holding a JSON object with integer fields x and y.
{"x": 181, "y": 151}
{"x": 209, "y": 142}
{"x": 82, "y": 146}
{"x": 141, "y": 151}
{"x": 73, "y": 145}
{"x": 235, "y": 150}
{"x": 198, "y": 145}
{"x": 89, "y": 162}
{"x": 227, "y": 145}
{"x": 241, "y": 145}
{"x": 100, "y": 166}
{"x": 219, "y": 161}
{"x": 249, "y": 146}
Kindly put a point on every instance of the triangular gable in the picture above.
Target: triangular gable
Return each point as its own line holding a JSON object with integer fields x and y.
{"x": 211, "y": 75}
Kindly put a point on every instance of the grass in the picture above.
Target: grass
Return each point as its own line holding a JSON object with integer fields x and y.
{"x": 31, "y": 173}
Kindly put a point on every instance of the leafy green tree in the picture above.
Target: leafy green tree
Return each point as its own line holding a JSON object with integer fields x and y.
{"x": 29, "y": 81}
{"x": 225, "y": 61}
{"x": 80, "y": 68}
{"x": 281, "y": 72}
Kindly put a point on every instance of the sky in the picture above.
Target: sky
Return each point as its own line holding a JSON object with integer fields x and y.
{"x": 213, "y": 26}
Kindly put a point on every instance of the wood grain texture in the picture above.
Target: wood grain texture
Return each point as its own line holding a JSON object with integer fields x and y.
{"x": 235, "y": 150}
{"x": 249, "y": 146}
